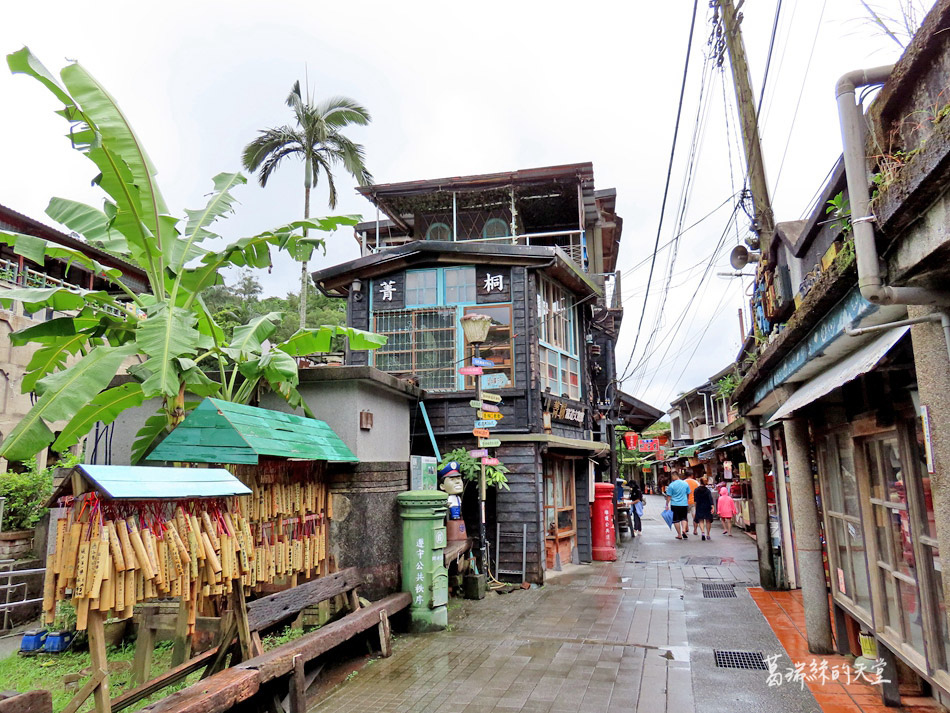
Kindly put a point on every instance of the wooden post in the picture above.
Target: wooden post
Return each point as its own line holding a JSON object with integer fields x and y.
{"x": 239, "y": 605}
{"x": 226, "y": 635}
{"x": 182, "y": 649}
{"x": 97, "y": 653}
{"x": 298, "y": 698}
{"x": 385, "y": 636}
{"x": 144, "y": 645}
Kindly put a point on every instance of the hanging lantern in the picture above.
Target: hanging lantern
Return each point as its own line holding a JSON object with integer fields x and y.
{"x": 475, "y": 327}
{"x": 630, "y": 440}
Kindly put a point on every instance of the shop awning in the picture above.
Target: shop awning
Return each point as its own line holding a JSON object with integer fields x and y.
{"x": 729, "y": 445}
{"x": 849, "y": 368}
{"x": 597, "y": 448}
{"x": 692, "y": 450}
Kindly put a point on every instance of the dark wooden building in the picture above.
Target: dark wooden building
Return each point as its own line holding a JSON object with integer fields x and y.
{"x": 536, "y": 251}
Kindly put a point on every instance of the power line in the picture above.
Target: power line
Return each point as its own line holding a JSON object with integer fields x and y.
{"x": 669, "y": 174}
{"x": 768, "y": 59}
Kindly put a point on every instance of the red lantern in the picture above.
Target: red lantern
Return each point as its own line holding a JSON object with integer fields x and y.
{"x": 630, "y": 440}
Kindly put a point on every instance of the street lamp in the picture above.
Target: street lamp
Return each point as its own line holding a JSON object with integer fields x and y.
{"x": 475, "y": 328}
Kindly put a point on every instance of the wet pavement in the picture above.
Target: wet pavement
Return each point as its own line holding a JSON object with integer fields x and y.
{"x": 632, "y": 635}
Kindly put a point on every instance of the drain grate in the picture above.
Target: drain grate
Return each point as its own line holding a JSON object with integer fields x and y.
{"x": 704, "y": 561}
{"x": 718, "y": 591}
{"x": 749, "y": 660}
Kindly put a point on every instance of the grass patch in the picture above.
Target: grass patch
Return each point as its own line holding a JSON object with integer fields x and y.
{"x": 47, "y": 671}
{"x": 284, "y": 636}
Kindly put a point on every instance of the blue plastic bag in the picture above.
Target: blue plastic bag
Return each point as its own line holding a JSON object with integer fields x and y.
{"x": 668, "y": 517}
{"x": 638, "y": 508}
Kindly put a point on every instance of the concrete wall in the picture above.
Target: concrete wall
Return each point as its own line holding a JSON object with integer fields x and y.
{"x": 339, "y": 403}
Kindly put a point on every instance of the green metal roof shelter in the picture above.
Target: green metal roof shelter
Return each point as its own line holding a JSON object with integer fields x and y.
{"x": 690, "y": 451}
{"x": 224, "y": 432}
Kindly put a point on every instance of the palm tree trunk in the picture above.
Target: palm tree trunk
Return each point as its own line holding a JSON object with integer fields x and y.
{"x": 304, "y": 276}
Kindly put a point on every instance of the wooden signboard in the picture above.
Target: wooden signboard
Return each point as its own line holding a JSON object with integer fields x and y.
{"x": 478, "y": 453}
{"x": 470, "y": 370}
{"x": 486, "y": 442}
{"x": 481, "y": 433}
{"x": 485, "y": 423}
{"x": 491, "y": 398}
{"x": 390, "y": 292}
{"x": 492, "y": 415}
{"x": 490, "y": 461}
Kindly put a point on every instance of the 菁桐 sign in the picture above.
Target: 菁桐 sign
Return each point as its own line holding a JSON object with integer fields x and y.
{"x": 561, "y": 411}
{"x": 492, "y": 284}
{"x": 389, "y": 292}
{"x": 470, "y": 370}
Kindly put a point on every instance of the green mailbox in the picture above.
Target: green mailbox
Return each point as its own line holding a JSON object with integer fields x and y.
{"x": 424, "y": 574}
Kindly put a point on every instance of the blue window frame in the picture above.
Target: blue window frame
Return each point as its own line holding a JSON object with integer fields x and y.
{"x": 496, "y": 228}
{"x": 439, "y": 231}
{"x": 558, "y": 361}
{"x": 426, "y": 339}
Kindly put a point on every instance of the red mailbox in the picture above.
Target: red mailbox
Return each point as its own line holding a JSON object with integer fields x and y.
{"x": 602, "y": 523}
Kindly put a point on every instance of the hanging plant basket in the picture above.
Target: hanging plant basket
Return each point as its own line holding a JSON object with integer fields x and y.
{"x": 475, "y": 327}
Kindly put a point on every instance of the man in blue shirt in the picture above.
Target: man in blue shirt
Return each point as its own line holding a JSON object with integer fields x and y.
{"x": 677, "y": 497}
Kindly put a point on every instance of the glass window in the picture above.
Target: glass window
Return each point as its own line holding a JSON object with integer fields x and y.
{"x": 439, "y": 231}
{"x": 422, "y": 288}
{"x": 559, "y": 497}
{"x": 421, "y": 345}
{"x": 495, "y": 228}
{"x": 559, "y": 366}
{"x": 459, "y": 285}
{"x": 498, "y": 346}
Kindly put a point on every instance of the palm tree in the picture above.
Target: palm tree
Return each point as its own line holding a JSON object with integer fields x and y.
{"x": 318, "y": 142}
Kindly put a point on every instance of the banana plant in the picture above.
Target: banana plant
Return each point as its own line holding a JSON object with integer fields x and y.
{"x": 166, "y": 332}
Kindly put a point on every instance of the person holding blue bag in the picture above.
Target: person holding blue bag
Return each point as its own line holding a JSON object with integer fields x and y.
{"x": 636, "y": 496}
{"x": 677, "y": 501}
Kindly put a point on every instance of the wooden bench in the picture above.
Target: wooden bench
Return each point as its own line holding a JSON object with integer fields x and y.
{"x": 221, "y": 690}
{"x": 29, "y": 702}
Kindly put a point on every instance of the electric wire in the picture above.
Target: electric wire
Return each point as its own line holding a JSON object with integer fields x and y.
{"x": 669, "y": 174}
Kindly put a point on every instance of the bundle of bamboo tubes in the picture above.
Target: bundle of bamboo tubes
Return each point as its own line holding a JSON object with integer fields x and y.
{"x": 110, "y": 556}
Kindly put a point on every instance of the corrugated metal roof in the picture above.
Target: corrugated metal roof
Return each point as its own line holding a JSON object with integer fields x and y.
{"x": 225, "y": 432}
{"x": 139, "y": 482}
{"x": 851, "y": 367}
{"x": 690, "y": 451}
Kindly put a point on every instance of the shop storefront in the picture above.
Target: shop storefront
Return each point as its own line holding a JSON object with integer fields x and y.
{"x": 560, "y": 509}
{"x": 883, "y": 564}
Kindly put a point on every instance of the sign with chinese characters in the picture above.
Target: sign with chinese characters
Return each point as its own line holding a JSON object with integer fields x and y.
{"x": 478, "y": 453}
{"x": 481, "y": 433}
{"x": 485, "y": 423}
{"x": 489, "y": 443}
{"x": 492, "y": 284}
{"x": 566, "y": 413}
{"x": 478, "y": 361}
{"x": 646, "y": 445}
{"x": 494, "y": 381}
{"x": 475, "y": 403}
{"x": 491, "y": 398}
{"x": 490, "y": 461}
{"x": 928, "y": 443}
{"x": 630, "y": 440}
{"x": 389, "y": 292}
{"x": 487, "y": 407}
{"x": 470, "y": 370}
{"x": 493, "y": 415}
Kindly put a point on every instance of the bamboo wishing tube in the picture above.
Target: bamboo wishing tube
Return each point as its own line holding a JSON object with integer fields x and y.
{"x": 145, "y": 564}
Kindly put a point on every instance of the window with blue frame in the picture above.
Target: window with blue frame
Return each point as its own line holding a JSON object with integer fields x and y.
{"x": 559, "y": 365}
{"x": 425, "y": 338}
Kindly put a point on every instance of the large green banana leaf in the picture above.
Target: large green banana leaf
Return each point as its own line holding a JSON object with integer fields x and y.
{"x": 246, "y": 341}
{"x": 220, "y": 203}
{"x": 105, "y": 407}
{"x": 165, "y": 335}
{"x": 93, "y": 224}
{"x": 64, "y": 394}
{"x": 315, "y": 341}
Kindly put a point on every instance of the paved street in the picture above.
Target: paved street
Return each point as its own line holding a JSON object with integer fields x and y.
{"x": 633, "y": 635}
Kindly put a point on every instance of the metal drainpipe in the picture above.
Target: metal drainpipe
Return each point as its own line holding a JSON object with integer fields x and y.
{"x": 870, "y": 271}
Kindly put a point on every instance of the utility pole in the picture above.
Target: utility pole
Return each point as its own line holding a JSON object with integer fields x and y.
{"x": 764, "y": 227}
{"x": 764, "y": 220}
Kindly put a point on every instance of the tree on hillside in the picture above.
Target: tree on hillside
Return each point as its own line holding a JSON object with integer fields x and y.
{"x": 318, "y": 141}
{"x": 168, "y": 327}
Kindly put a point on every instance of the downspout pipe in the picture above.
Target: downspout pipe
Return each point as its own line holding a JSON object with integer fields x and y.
{"x": 870, "y": 271}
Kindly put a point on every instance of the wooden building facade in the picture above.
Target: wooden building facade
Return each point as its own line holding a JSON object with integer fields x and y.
{"x": 535, "y": 251}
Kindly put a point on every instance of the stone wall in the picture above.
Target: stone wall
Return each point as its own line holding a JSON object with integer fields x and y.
{"x": 366, "y": 530}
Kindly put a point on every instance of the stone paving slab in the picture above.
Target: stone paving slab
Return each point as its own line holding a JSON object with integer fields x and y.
{"x": 632, "y": 635}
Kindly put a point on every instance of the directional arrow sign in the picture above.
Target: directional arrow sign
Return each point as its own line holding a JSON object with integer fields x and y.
{"x": 481, "y": 433}
{"x": 485, "y": 423}
{"x": 489, "y": 442}
{"x": 470, "y": 370}
{"x": 494, "y": 381}
{"x": 486, "y": 407}
{"x": 478, "y": 453}
{"x": 490, "y": 461}
{"x": 475, "y": 404}
{"x": 493, "y": 398}
{"x": 478, "y": 361}
{"x": 491, "y": 415}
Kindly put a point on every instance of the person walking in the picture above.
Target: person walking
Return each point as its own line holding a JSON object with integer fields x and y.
{"x": 693, "y": 484}
{"x": 677, "y": 500}
{"x": 726, "y": 509}
{"x": 636, "y": 496}
{"x": 704, "y": 508}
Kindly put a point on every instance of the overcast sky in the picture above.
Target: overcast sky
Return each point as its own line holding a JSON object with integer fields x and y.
{"x": 455, "y": 89}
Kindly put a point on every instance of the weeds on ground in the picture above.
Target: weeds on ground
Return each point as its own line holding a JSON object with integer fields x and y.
{"x": 48, "y": 671}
